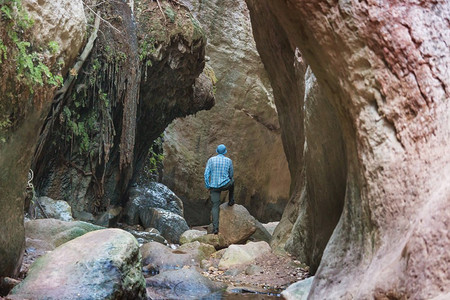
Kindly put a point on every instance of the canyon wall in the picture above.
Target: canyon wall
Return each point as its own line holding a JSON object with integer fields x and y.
{"x": 144, "y": 70}
{"x": 244, "y": 119}
{"x": 383, "y": 66}
{"x": 31, "y": 56}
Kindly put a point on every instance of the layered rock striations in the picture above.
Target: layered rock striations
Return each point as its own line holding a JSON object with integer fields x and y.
{"x": 143, "y": 71}
{"x": 244, "y": 119}
{"x": 383, "y": 66}
{"x": 33, "y": 55}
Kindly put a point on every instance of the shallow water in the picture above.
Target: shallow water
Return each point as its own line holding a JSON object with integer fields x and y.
{"x": 240, "y": 294}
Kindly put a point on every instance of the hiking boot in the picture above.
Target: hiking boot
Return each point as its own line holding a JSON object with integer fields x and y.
{"x": 231, "y": 203}
{"x": 216, "y": 231}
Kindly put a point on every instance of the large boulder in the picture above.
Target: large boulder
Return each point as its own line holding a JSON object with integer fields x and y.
{"x": 383, "y": 66}
{"x": 158, "y": 207}
{"x": 244, "y": 119}
{"x": 154, "y": 195}
{"x": 158, "y": 258}
{"x": 47, "y": 234}
{"x": 25, "y": 103}
{"x": 170, "y": 225}
{"x": 236, "y": 224}
{"x": 104, "y": 264}
{"x": 56, "y": 209}
{"x": 182, "y": 284}
{"x": 242, "y": 254}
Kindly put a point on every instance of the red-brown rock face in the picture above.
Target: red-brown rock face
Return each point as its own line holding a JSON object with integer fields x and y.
{"x": 384, "y": 67}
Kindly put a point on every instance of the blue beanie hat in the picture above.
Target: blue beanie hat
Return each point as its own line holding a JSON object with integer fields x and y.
{"x": 221, "y": 149}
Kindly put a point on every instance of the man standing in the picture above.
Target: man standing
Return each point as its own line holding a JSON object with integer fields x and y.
{"x": 218, "y": 178}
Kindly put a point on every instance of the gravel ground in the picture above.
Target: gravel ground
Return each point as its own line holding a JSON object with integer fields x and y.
{"x": 268, "y": 274}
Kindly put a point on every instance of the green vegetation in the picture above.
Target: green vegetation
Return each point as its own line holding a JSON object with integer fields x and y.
{"x": 154, "y": 159}
{"x": 146, "y": 48}
{"x": 170, "y": 13}
{"x": 30, "y": 67}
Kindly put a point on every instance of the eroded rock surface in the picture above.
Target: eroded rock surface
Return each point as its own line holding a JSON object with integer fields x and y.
{"x": 141, "y": 74}
{"x": 22, "y": 111}
{"x": 244, "y": 119}
{"x": 104, "y": 264}
{"x": 383, "y": 68}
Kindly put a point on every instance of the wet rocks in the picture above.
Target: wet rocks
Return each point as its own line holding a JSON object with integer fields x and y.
{"x": 181, "y": 284}
{"x": 158, "y": 207}
{"x": 170, "y": 225}
{"x": 154, "y": 195}
{"x": 104, "y": 264}
{"x": 144, "y": 237}
{"x": 55, "y": 209}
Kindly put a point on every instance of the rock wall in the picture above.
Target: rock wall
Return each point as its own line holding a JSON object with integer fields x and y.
{"x": 324, "y": 170}
{"x": 25, "y": 98}
{"x": 382, "y": 66}
{"x": 143, "y": 71}
{"x": 244, "y": 119}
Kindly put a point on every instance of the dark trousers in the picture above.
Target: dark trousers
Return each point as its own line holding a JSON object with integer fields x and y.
{"x": 215, "y": 199}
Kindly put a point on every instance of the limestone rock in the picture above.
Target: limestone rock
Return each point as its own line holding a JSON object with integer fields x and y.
{"x": 189, "y": 235}
{"x": 323, "y": 188}
{"x": 236, "y": 224}
{"x": 50, "y": 25}
{"x": 388, "y": 87}
{"x": 261, "y": 233}
{"x": 144, "y": 237}
{"x": 158, "y": 207}
{"x": 197, "y": 250}
{"x": 244, "y": 119}
{"x": 47, "y": 234}
{"x": 155, "y": 195}
{"x": 104, "y": 264}
{"x": 298, "y": 290}
{"x": 270, "y": 227}
{"x": 24, "y": 112}
{"x": 55, "y": 209}
{"x": 216, "y": 240}
{"x": 170, "y": 225}
{"x": 241, "y": 254}
{"x": 158, "y": 258}
{"x": 181, "y": 284}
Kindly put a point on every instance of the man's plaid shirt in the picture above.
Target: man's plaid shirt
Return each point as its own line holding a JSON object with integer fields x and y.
{"x": 218, "y": 172}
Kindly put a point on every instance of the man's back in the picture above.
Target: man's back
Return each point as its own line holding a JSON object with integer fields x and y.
{"x": 219, "y": 171}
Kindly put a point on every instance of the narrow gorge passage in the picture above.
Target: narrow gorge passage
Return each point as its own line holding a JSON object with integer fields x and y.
{"x": 334, "y": 113}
